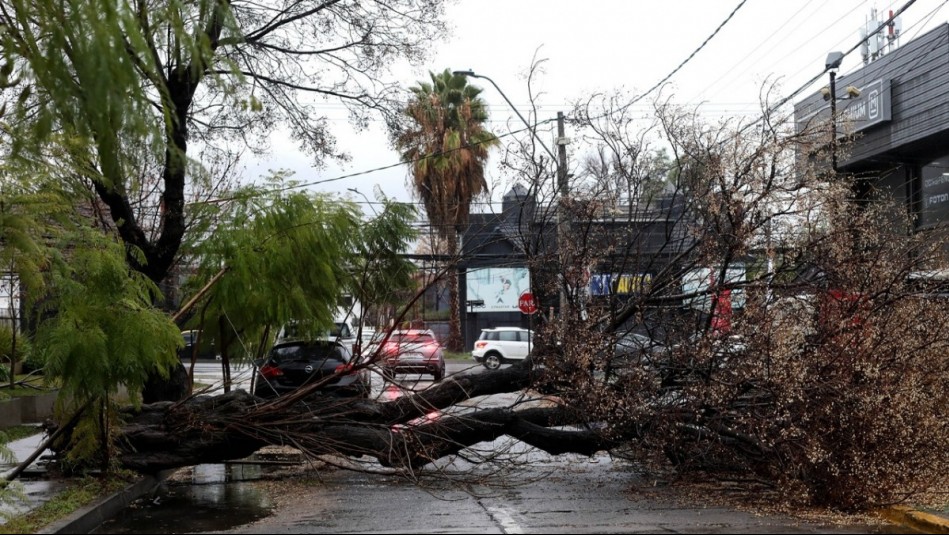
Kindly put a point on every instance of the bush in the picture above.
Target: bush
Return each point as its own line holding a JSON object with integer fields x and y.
{"x": 23, "y": 348}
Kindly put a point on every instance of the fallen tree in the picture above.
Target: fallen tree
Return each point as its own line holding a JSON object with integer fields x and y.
{"x": 835, "y": 392}
{"x": 396, "y": 433}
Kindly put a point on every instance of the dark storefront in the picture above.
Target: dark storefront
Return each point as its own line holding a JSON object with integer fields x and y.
{"x": 512, "y": 252}
{"x": 896, "y": 112}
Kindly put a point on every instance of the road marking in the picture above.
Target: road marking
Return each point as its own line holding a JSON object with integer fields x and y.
{"x": 503, "y": 517}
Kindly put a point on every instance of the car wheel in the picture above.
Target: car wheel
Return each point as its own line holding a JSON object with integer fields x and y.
{"x": 492, "y": 361}
{"x": 438, "y": 374}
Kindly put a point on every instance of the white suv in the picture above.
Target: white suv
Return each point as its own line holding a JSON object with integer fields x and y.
{"x": 502, "y": 344}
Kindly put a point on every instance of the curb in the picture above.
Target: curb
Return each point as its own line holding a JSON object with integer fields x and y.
{"x": 916, "y": 520}
{"x": 88, "y": 518}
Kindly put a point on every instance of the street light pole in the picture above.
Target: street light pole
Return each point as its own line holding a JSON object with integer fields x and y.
{"x": 563, "y": 223}
{"x": 533, "y": 131}
{"x": 831, "y": 65}
{"x": 833, "y": 120}
{"x": 563, "y": 188}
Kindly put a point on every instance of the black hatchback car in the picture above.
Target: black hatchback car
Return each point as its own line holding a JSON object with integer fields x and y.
{"x": 291, "y": 365}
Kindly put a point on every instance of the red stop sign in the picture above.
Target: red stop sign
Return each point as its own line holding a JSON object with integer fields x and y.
{"x": 526, "y": 303}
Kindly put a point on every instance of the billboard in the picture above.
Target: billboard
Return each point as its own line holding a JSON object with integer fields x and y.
{"x": 498, "y": 287}
{"x": 619, "y": 283}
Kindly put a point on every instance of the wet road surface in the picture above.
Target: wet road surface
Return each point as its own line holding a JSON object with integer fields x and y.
{"x": 564, "y": 494}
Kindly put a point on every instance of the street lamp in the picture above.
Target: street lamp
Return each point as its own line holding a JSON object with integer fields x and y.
{"x": 471, "y": 74}
{"x": 831, "y": 65}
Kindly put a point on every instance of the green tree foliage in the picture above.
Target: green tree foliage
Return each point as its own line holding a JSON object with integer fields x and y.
{"x": 100, "y": 330}
{"x": 285, "y": 259}
{"x": 291, "y": 257}
{"x": 446, "y": 145}
{"x": 117, "y": 91}
{"x": 17, "y": 346}
{"x": 381, "y": 273}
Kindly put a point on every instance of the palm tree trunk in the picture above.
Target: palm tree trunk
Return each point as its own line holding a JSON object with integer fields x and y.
{"x": 455, "y": 342}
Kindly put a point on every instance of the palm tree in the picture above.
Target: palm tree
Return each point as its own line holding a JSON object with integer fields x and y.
{"x": 447, "y": 146}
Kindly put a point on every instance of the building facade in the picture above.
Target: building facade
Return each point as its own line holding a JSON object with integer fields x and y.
{"x": 895, "y": 114}
{"x": 513, "y": 252}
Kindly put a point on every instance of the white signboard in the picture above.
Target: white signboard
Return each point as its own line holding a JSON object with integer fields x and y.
{"x": 9, "y": 296}
{"x": 498, "y": 287}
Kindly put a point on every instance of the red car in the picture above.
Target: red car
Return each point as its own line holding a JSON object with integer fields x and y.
{"x": 412, "y": 351}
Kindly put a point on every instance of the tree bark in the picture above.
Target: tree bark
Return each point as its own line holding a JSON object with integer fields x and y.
{"x": 454, "y": 342}
{"x": 408, "y": 432}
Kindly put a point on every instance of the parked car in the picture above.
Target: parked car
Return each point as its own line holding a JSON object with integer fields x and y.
{"x": 412, "y": 351}
{"x": 635, "y": 346}
{"x": 206, "y": 350}
{"x": 291, "y": 365}
{"x": 340, "y": 332}
{"x": 699, "y": 357}
{"x": 502, "y": 345}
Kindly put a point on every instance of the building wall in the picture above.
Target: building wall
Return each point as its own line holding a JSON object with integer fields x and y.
{"x": 917, "y": 75}
{"x": 903, "y": 158}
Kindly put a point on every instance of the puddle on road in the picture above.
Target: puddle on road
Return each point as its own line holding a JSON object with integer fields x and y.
{"x": 192, "y": 509}
{"x": 34, "y": 492}
{"x": 215, "y": 497}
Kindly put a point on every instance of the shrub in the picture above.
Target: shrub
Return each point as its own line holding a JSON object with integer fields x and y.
{"x": 23, "y": 348}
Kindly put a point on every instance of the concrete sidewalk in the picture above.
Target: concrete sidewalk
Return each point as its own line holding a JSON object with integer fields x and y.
{"x": 33, "y": 482}
{"x": 38, "y": 489}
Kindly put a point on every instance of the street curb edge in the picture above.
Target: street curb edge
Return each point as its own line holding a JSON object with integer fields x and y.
{"x": 88, "y": 518}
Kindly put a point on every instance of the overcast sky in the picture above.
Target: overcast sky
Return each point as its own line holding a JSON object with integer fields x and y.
{"x": 602, "y": 45}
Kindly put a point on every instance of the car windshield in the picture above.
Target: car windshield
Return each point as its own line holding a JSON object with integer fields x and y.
{"x": 340, "y": 330}
{"x": 290, "y": 352}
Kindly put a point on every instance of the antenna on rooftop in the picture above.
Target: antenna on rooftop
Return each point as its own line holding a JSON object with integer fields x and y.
{"x": 873, "y": 42}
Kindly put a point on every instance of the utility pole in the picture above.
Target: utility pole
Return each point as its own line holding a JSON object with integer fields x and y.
{"x": 563, "y": 224}
{"x": 833, "y": 120}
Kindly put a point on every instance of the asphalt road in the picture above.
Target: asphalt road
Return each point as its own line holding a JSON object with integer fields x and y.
{"x": 564, "y": 494}
{"x": 207, "y": 374}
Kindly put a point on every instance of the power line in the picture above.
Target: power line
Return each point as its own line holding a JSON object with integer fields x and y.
{"x": 534, "y": 127}
{"x": 626, "y": 106}
{"x": 810, "y": 82}
{"x": 385, "y": 167}
{"x": 684, "y": 62}
{"x": 791, "y": 51}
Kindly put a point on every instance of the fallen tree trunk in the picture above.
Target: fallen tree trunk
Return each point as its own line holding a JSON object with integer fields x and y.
{"x": 408, "y": 432}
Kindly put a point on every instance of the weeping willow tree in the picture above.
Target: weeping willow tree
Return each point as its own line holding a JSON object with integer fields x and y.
{"x": 447, "y": 144}
{"x": 123, "y": 92}
{"x": 291, "y": 257}
{"x": 127, "y": 107}
{"x": 95, "y": 328}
